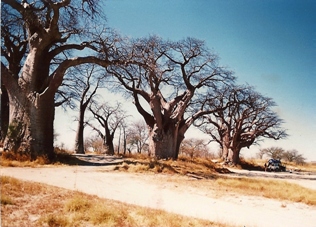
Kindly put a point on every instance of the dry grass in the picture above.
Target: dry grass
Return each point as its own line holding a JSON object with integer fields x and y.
{"x": 198, "y": 167}
{"x": 274, "y": 189}
{"x": 11, "y": 159}
{"x": 306, "y": 167}
{"x": 33, "y": 204}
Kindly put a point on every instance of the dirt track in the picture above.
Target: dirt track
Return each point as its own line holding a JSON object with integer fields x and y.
{"x": 164, "y": 192}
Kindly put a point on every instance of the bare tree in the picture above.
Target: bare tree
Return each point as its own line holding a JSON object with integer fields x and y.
{"x": 260, "y": 154}
{"x": 38, "y": 39}
{"x": 243, "y": 116}
{"x": 137, "y": 136}
{"x": 164, "y": 79}
{"x": 293, "y": 156}
{"x": 273, "y": 152}
{"x": 194, "y": 148}
{"x": 94, "y": 143}
{"x": 83, "y": 82}
{"x": 123, "y": 127}
{"x": 109, "y": 118}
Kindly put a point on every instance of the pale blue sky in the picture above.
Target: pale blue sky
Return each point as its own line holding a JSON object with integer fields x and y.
{"x": 270, "y": 44}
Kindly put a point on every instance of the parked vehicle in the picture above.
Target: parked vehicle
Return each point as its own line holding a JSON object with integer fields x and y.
{"x": 274, "y": 165}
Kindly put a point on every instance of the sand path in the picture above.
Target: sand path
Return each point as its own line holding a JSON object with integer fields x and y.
{"x": 162, "y": 192}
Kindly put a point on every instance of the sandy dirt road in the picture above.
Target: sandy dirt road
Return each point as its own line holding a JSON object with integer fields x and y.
{"x": 162, "y": 192}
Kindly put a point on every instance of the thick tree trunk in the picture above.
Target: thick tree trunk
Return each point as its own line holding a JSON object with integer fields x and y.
{"x": 233, "y": 156}
{"x": 225, "y": 146}
{"x": 225, "y": 151}
{"x": 163, "y": 143}
{"x": 110, "y": 148}
{"x": 109, "y": 143}
{"x": 179, "y": 141}
{"x": 79, "y": 144}
{"x": 4, "y": 115}
{"x": 30, "y": 130}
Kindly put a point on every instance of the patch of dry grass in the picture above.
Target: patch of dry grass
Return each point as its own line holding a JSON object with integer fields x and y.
{"x": 12, "y": 159}
{"x": 274, "y": 189}
{"x": 306, "y": 167}
{"x": 35, "y": 204}
{"x": 198, "y": 167}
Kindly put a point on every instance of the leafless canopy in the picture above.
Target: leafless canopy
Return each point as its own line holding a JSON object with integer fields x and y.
{"x": 242, "y": 117}
{"x": 165, "y": 78}
{"x": 167, "y": 75}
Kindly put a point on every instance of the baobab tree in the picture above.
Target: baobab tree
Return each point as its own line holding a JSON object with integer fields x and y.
{"x": 109, "y": 118}
{"x": 243, "y": 116}
{"x": 164, "y": 79}
{"x": 38, "y": 40}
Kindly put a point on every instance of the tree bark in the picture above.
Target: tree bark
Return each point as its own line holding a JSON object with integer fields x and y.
{"x": 163, "y": 142}
{"x": 225, "y": 152}
{"x": 110, "y": 150}
{"x": 4, "y": 115}
{"x": 109, "y": 143}
{"x": 226, "y": 146}
{"x": 79, "y": 145}
{"x": 233, "y": 156}
{"x": 30, "y": 130}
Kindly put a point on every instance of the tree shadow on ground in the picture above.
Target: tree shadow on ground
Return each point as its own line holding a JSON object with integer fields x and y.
{"x": 87, "y": 159}
{"x": 197, "y": 170}
{"x": 251, "y": 166}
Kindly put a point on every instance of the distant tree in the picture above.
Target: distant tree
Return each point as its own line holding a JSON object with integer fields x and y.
{"x": 83, "y": 82}
{"x": 273, "y": 152}
{"x": 137, "y": 136}
{"x": 109, "y": 118}
{"x": 242, "y": 117}
{"x": 95, "y": 143}
{"x": 194, "y": 148}
{"x": 165, "y": 78}
{"x": 260, "y": 154}
{"x": 293, "y": 156}
{"x": 123, "y": 127}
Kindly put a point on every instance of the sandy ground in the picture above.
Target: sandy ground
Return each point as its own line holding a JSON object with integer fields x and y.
{"x": 162, "y": 192}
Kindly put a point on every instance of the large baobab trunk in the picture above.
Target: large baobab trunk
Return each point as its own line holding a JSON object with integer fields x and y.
{"x": 163, "y": 142}
{"x": 225, "y": 152}
{"x": 225, "y": 145}
{"x": 30, "y": 128}
{"x": 233, "y": 156}
{"x": 109, "y": 143}
{"x": 32, "y": 110}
